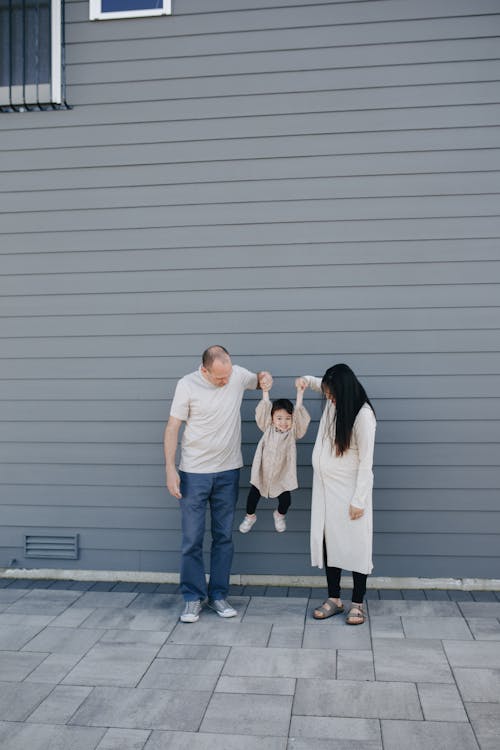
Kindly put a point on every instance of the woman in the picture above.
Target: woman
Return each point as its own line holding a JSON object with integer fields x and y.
{"x": 341, "y": 512}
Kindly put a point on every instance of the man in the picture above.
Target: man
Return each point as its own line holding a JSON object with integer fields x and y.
{"x": 208, "y": 401}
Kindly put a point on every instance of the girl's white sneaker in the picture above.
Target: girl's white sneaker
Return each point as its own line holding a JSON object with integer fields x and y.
{"x": 279, "y": 521}
{"x": 247, "y": 524}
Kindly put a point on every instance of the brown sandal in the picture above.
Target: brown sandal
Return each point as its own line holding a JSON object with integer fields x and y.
{"x": 327, "y": 609}
{"x": 355, "y": 613}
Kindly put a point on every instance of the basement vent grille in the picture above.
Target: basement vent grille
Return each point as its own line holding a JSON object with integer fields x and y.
{"x": 57, "y": 547}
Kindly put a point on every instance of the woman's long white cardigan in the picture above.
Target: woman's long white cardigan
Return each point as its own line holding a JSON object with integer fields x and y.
{"x": 340, "y": 481}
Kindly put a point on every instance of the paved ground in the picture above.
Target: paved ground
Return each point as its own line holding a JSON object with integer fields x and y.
{"x": 108, "y": 667}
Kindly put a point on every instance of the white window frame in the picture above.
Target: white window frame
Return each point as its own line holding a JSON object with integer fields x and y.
{"x": 44, "y": 93}
{"x": 96, "y": 13}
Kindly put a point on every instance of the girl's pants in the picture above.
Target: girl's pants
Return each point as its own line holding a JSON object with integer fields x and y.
{"x": 333, "y": 581}
{"x": 284, "y": 501}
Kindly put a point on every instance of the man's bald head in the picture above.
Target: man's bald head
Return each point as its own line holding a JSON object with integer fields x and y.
{"x": 216, "y": 365}
{"x": 212, "y": 353}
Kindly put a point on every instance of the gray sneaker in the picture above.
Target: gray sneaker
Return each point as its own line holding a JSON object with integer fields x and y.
{"x": 191, "y": 611}
{"x": 222, "y": 608}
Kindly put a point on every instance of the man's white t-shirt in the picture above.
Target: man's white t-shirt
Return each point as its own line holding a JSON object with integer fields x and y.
{"x": 212, "y": 435}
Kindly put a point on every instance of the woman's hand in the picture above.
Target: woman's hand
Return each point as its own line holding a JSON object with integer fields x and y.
{"x": 355, "y": 513}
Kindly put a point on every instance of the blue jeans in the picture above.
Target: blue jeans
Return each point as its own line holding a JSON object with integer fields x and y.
{"x": 220, "y": 491}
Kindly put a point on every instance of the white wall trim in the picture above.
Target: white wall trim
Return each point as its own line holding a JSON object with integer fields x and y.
{"x": 374, "y": 582}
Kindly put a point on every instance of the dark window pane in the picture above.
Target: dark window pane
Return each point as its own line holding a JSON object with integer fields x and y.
{"x": 24, "y": 42}
{"x": 116, "y": 6}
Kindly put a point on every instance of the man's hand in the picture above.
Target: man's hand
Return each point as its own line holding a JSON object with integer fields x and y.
{"x": 355, "y": 513}
{"x": 265, "y": 380}
{"x": 300, "y": 384}
{"x": 174, "y": 483}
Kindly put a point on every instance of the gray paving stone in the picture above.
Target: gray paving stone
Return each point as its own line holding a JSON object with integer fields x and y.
{"x": 436, "y": 594}
{"x": 282, "y": 610}
{"x": 410, "y": 660}
{"x": 324, "y": 728}
{"x": 436, "y": 627}
{"x": 485, "y": 720}
{"x": 64, "y": 640}
{"x": 256, "y": 685}
{"x": 334, "y": 633}
{"x": 103, "y": 586}
{"x": 219, "y": 632}
{"x": 279, "y": 662}
{"x": 311, "y": 743}
{"x": 475, "y": 654}
{"x": 415, "y": 735}
{"x": 481, "y": 685}
{"x": 441, "y": 702}
{"x": 390, "y": 594}
{"x": 286, "y": 636}
{"x": 163, "y": 602}
{"x": 131, "y": 618}
{"x": 60, "y": 705}
{"x": 219, "y": 741}
{"x": 72, "y": 617}
{"x": 126, "y": 708}
{"x": 152, "y": 638}
{"x": 14, "y": 637}
{"x": 187, "y": 651}
{"x": 44, "y": 602}
{"x": 355, "y": 665}
{"x": 413, "y": 594}
{"x": 277, "y": 591}
{"x": 115, "y": 664}
{"x": 10, "y": 595}
{"x": 228, "y": 713}
{"x": 480, "y": 609}
{"x": 350, "y": 698}
{"x": 185, "y": 674}
{"x": 94, "y": 599}
{"x": 386, "y": 626}
{"x": 46, "y": 737}
{"x": 484, "y": 628}
{"x": 484, "y": 596}
{"x": 15, "y": 665}
{"x": 457, "y": 595}
{"x": 54, "y": 668}
{"x": 417, "y": 609}
{"x": 18, "y": 701}
{"x": 124, "y": 739}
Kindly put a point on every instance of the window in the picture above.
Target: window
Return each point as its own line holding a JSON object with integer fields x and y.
{"x": 102, "y": 9}
{"x": 30, "y": 54}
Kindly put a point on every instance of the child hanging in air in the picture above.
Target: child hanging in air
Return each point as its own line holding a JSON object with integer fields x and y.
{"x": 274, "y": 467}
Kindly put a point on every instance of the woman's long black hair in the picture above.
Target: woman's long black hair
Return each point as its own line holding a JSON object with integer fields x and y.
{"x": 341, "y": 384}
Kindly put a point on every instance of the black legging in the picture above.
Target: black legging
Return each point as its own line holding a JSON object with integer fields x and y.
{"x": 333, "y": 581}
{"x": 284, "y": 501}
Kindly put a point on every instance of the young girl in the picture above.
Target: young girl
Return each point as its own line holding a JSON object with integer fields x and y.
{"x": 274, "y": 467}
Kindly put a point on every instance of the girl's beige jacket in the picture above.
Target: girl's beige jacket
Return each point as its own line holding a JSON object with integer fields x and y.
{"x": 274, "y": 467}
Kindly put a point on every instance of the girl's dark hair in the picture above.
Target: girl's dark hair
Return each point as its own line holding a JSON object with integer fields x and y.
{"x": 341, "y": 383}
{"x": 282, "y": 403}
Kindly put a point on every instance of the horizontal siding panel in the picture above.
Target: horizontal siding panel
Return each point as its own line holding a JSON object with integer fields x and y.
{"x": 456, "y": 183}
{"x": 301, "y": 124}
{"x": 112, "y": 414}
{"x": 359, "y": 88}
{"x": 361, "y": 210}
{"x": 431, "y": 454}
{"x": 372, "y": 342}
{"x": 484, "y": 135}
{"x": 407, "y": 432}
{"x": 299, "y": 321}
{"x": 344, "y": 298}
{"x": 227, "y": 33}
{"x": 388, "y": 477}
{"x": 291, "y": 231}
{"x": 91, "y": 55}
{"x": 331, "y": 276}
{"x": 397, "y": 501}
{"x": 388, "y": 386}
{"x": 188, "y": 176}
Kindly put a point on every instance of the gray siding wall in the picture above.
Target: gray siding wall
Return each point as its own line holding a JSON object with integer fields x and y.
{"x": 303, "y": 182}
